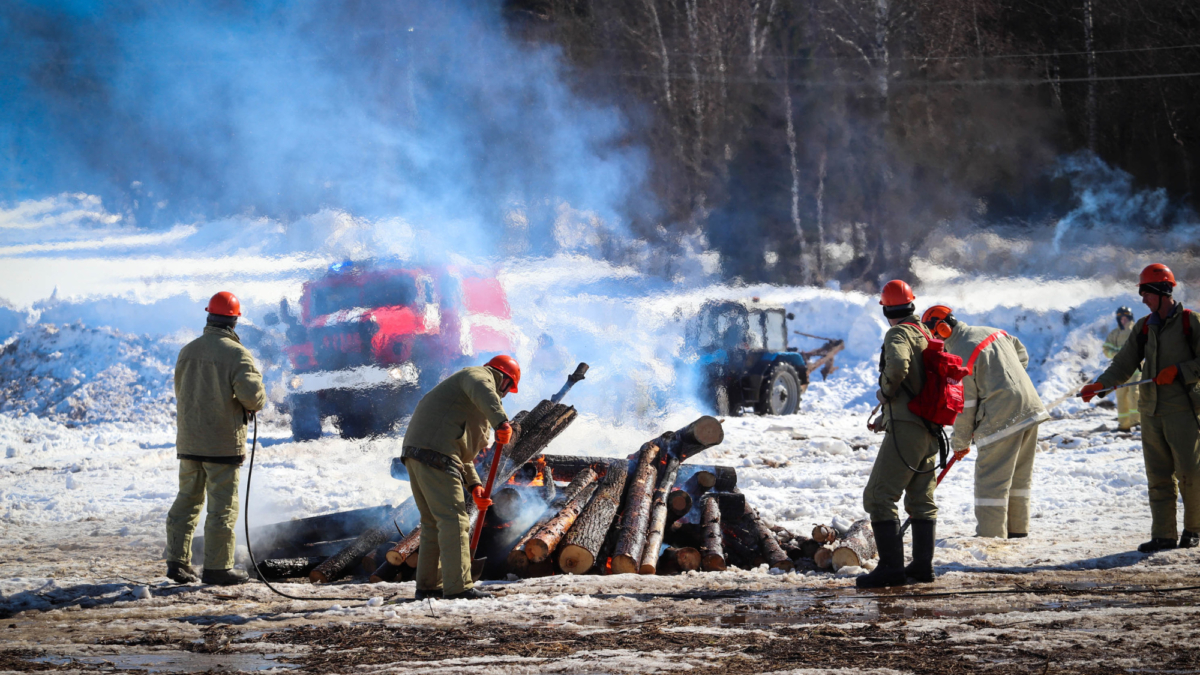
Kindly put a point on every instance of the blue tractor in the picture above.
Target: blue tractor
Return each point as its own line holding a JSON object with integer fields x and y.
{"x": 740, "y": 353}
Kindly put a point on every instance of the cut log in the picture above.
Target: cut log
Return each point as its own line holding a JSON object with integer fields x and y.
{"x": 769, "y": 545}
{"x": 824, "y": 534}
{"x": 658, "y": 518}
{"x": 287, "y": 568}
{"x": 539, "y": 546}
{"x": 635, "y": 522}
{"x": 506, "y": 502}
{"x": 387, "y": 572}
{"x": 676, "y": 560}
{"x": 582, "y": 544}
{"x": 824, "y": 558}
{"x": 518, "y": 561}
{"x": 566, "y": 467}
{"x": 696, "y": 437}
{"x": 413, "y": 558}
{"x": 338, "y": 564}
{"x": 549, "y": 489}
{"x": 405, "y": 547}
{"x": 856, "y": 547}
{"x": 679, "y": 502}
{"x": 712, "y": 552}
{"x": 801, "y": 548}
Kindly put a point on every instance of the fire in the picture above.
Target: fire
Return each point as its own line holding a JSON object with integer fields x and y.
{"x": 538, "y": 480}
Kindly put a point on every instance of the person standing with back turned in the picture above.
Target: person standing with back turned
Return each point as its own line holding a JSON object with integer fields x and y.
{"x": 217, "y": 388}
{"x": 908, "y": 454}
{"x": 447, "y": 431}
{"x": 1127, "y": 398}
{"x": 1166, "y": 342}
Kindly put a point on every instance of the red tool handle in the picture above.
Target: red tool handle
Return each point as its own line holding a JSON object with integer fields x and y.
{"x": 947, "y": 469}
{"x": 487, "y": 494}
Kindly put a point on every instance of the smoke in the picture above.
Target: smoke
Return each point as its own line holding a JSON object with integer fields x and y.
{"x": 419, "y": 117}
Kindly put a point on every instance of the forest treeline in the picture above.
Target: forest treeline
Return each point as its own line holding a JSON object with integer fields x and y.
{"x": 827, "y": 139}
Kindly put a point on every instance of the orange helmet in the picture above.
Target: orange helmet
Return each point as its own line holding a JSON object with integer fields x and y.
{"x": 225, "y": 304}
{"x": 935, "y": 319}
{"x": 507, "y": 365}
{"x": 1155, "y": 274}
{"x": 896, "y": 292}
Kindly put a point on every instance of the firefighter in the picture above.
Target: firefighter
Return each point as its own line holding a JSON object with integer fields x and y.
{"x": 1127, "y": 398}
{"x": 907, "y": 456}
{"x": 1001, "y": 414}
{"x": 217, "y": 387}
{"x": 1166, "y": 343}
{"x": 448, "y": 429}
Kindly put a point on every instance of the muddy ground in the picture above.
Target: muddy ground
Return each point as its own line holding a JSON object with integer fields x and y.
{"x": 1044, "y": 621}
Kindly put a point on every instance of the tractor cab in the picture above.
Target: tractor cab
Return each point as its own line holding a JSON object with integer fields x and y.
{"x": 742, "y": 352}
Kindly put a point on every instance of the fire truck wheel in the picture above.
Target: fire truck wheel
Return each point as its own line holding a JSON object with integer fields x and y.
{"x": 781, "y": 391}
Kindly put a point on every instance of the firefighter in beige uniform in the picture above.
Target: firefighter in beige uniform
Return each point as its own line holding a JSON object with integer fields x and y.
{"x": 1166, "y": 342}
{"x": 1127, "y": 398}
{"x": 1001, "y": 413}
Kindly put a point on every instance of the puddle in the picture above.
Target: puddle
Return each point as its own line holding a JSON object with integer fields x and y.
{"x": 177, "y": 662}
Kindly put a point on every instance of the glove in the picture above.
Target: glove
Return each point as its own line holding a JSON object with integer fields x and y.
{"x": 1089, "y": 392}
{"x": 1166, "y": 375}
{"x": 504, "y": 434}
{"x": 959, "y": 454}
{"x": 481, "y": 502}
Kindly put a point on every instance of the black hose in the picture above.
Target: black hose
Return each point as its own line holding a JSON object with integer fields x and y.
{"x": 250, "y": 551}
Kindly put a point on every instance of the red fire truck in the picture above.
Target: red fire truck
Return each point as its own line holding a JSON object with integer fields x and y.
{"x": 373, "y": 336}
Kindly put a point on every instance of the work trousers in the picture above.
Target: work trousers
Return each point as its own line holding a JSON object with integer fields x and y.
{"x": 445, "y": 529}
{"x": 219, "y": 482}
{"x": 1003, "y": 484}
{"x": 1127, "y": 408}
{"x": 1169, "y": 446}
{"x": 891, "y": 476}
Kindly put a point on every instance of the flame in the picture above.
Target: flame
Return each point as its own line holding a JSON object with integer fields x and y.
{"x": 539, "y": 480}
{"x": 608, "y": 566}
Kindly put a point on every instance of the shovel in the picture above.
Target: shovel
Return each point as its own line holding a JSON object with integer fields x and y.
{"x": 908, "y": 521}
{"x": 477, "y": 564}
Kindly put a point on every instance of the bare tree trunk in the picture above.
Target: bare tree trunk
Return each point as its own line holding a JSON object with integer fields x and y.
{"x": 697, "y": 107}
{"x": 820, "y": 215}
{"x": 795, "y": 169}
{"x": 758, "y": 36}
{"x": 1090, "y": 47}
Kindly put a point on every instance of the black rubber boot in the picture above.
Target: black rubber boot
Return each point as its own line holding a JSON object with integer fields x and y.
{"x": 229, "y": 577}
{"x": 1189, "y": 539}
{"x": 1017, "y": 535}
{"x": 890, "y": 570}
{"x": 1157, "y": 544}
{"x": 924, "y": 538}
{"x": 181, "y": 574}
{"x": 469, "y": 594}
{"x": 421, "y": 593}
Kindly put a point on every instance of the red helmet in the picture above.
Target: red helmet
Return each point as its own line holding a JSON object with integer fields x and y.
{"x": 1156, "y": 273}
{"x": 507, "y": 365}
{"x": 934, "y": 318}
{"x": 896, "y": 292}
{"x": 225, "y": 304}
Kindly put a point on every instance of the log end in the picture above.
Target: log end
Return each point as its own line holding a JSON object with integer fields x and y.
{"x": 575, "y": 560}
{"x": 679, "y": 502}
{"x": 712, "y": 562}
{"x": 624, "y": 564}
{"x": 536, "y": 550}
{"x": 706, "y": 479}
{"x": 844, "y": 557}
{"x": 647, "y": 568}
{"x": 823, "y": 558}
{"x": 317, "y": 577}
{"x": 823, "y": 533}
{"x": 708, "y": 431}
{"x": 688, "y": 558}
{"x": 783, "y": 565}
{"x": 395, "y": 558}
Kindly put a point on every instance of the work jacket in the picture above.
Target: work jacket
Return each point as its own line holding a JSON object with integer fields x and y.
{"x": 216, "y": 383}
{"x": 1166, "y": 345}
{"x": 901, "y": 371}
{"x": 454, "y": 418}
{"x": 999, "y": 399}
{"x": 1112, "y": 344}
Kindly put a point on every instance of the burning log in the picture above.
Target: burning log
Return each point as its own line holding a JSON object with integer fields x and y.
{"x": 549, "y": 489}
{"x": 636, "y": 520}
{"x": 677, "y": 560}
{"x": 582, "y": 544}
{"x": 542, "y": 542}
{"x": 712, "y": 551}
{"x": 824, "y": 534}
{"x": 401, "y": 551}
{"x": 287, "y": 568}
{"x": 705, "y": 476}
{"x": 507, "y": 503}
{"x": 857, "y": 546}
{"x": 518, "y": 561}
{"x": 386, "y": 572}
{"x": 566, "y": 467}
{"x": 658, "y": 518}
{"x": 336, "y": 565}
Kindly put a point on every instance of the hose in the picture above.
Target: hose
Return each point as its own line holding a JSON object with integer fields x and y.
{"x": 249, "y": 550}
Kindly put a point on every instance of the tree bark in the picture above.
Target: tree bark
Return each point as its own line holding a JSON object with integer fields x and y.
{"x": 406, "y": 546}
{"x": 712, "y": 552}
{"x": 566, "y": 467}
{"x": 582, "y": 544}
{"x": 636, "y": 520}
{"x": 658, "y": 518}
{"x": 338, "y": 564}
{"x": 542, "y": 543}
{"x": 823, "y": 534}
{"x": 518, "y": 561}
{"x": 287, "y": 568}
{"x": 703, "y": 433}
{"x": 769, "y": 545}
{"x": 387, "y": 572}
{"x": 856, "y": 547}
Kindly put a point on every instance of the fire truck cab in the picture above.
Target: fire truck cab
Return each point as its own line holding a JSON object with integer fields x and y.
{"x": 373, "y": 336}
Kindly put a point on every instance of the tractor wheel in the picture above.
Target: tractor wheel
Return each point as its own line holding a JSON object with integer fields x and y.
{"x": 781, "y": 391}
{"x": 306, "y": 417}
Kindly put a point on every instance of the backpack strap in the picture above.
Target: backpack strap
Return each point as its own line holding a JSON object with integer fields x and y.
{"x": 979, "y": 350}
{"x": 1144, "y": 334}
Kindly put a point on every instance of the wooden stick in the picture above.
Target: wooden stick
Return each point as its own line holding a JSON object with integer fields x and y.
{"x": 400, "y": 552}
{"x": 336, "y": 565}
{"x": 636, "y": 521}
{"x": 713, "y": 550}
{"x": 658, "y": 518}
